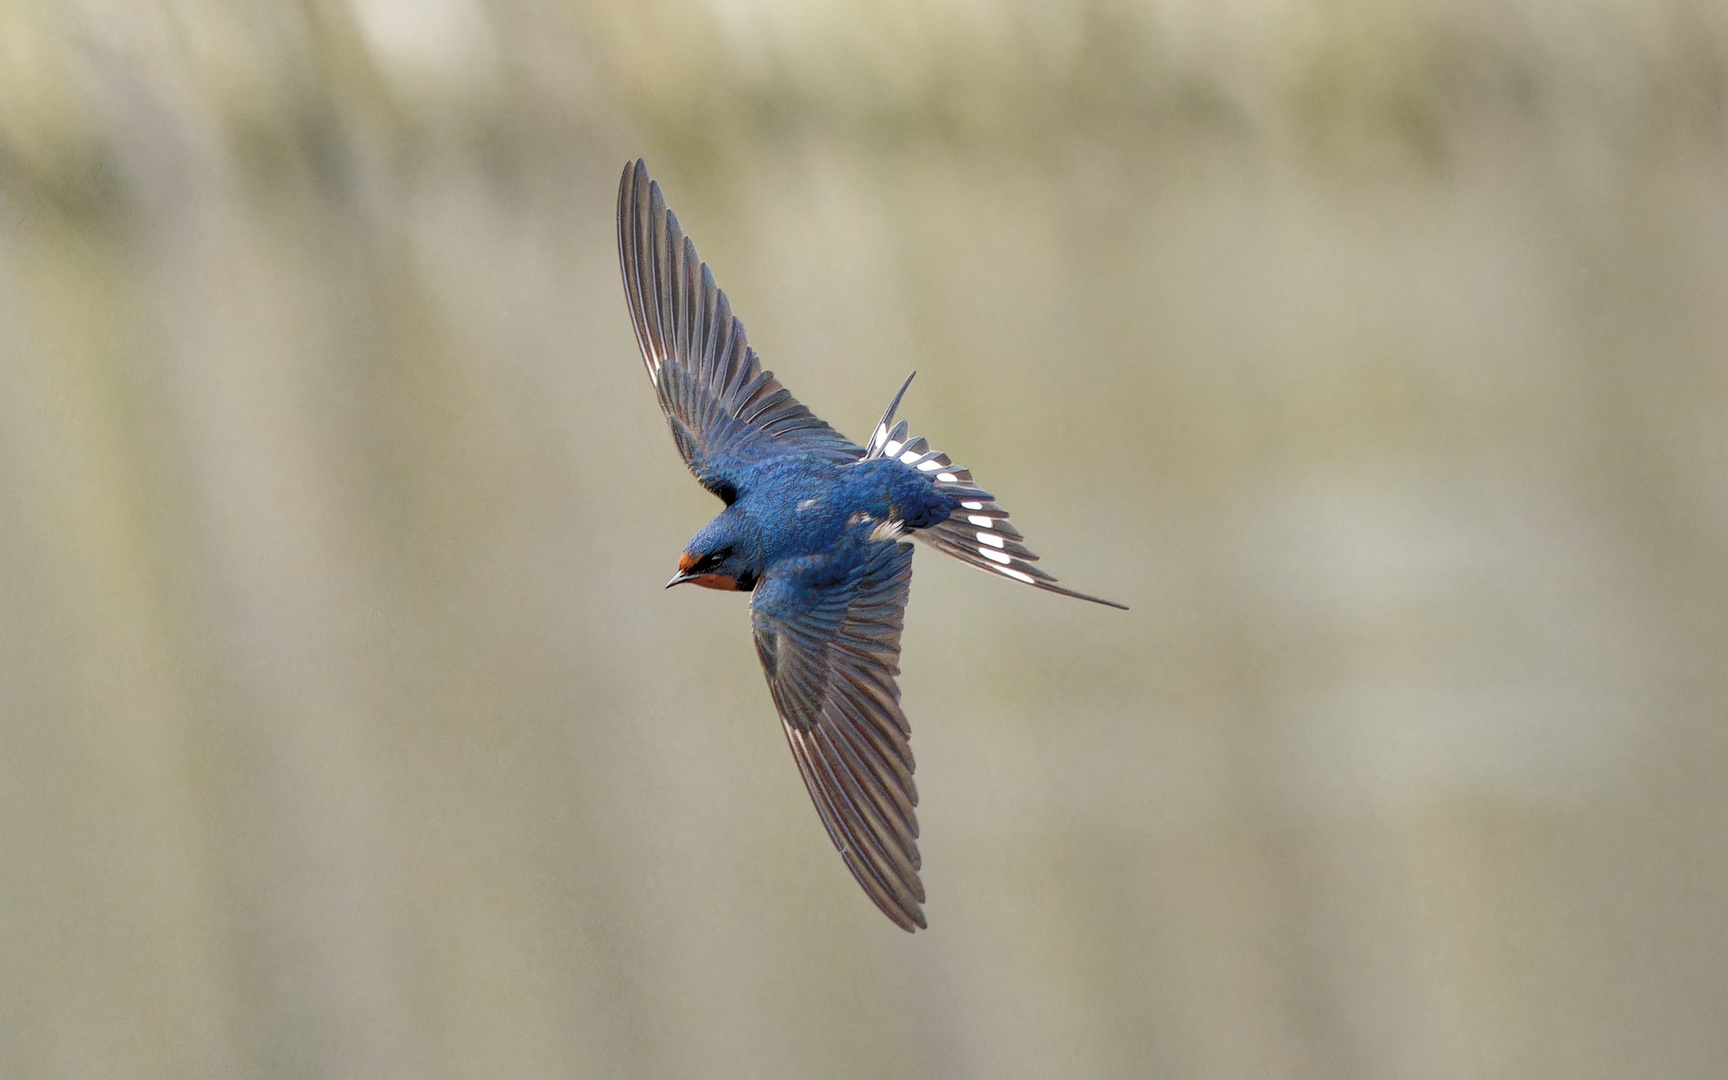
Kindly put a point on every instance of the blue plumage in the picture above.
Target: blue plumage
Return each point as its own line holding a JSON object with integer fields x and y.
{"x": 790, "y": 505}
{"x": 812, "y": 529}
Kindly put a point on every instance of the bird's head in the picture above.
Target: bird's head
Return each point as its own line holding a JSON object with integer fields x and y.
{"x": 715, "y": 562}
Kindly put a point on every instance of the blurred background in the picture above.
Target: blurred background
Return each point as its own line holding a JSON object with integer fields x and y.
{"x": 1374, "y": 354}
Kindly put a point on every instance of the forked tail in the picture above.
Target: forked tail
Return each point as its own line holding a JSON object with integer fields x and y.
{"x": 978, "y": 531}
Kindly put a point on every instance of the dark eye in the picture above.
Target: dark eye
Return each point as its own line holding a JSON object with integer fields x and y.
{"x": 711, "y": 560}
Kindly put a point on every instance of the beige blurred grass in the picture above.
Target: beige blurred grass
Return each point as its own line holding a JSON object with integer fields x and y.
{"x": 1373, "y": 354}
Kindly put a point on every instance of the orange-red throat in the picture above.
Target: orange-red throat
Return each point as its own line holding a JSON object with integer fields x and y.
{"x": 687, "y": 562}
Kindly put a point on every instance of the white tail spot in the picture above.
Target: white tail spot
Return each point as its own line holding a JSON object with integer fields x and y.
{"x": 908, "y": 457}
{"x": 1017, "y": 575}
{"x": 980, "y": 520}
{"x": 948, "y": 477}
{"x": 990, "y": 538}
{"x": 994, "y": 556}
{"x": 973, "y": 505}
{"x": 929, "y": 466}
{"x": 892, "y": 449}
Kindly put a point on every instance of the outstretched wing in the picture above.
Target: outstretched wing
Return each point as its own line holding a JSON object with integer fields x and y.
{"x": 828, "y": 634}
{"x": 724, "y": 410}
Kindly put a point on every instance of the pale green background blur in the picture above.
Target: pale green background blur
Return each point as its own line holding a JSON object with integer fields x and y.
{"x": 1377, "y": 355}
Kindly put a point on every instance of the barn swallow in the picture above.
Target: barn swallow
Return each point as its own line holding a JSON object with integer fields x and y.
{"x": 813, "y": 529}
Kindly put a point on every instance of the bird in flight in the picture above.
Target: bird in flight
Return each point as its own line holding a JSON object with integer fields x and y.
{"x": 813, "y": 530}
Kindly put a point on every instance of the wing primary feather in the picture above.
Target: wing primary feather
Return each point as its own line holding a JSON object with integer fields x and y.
{"x": 879, "y": 841}
{"x": 690, "y": 296}
{"x": 882, "y": 788}
{"x": 630, "y": 260}
{"x": 631, "y": 221}
{"x": 721, "y": 354}
{"x": 655, "y": 271}
{"x": 862, "y": 870}
{"x": 714, "y": 317}
{"x": 891, "y": 742}
{"x": 908, "y": 921}
{"x": 857, "y": 819}
{"x": 724, "y": 411}
{"x": 801, "y": 757}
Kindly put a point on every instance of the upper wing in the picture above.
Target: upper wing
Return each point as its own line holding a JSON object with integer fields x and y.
{"x": 828, "y": 634}
{"x": 723, "y": 408}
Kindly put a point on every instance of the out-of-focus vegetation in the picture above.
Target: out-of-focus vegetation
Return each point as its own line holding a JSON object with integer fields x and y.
{"x": 1377, "y": 355}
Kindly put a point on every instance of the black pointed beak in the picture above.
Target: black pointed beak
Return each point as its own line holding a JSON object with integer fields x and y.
{"x": 680, "y": 578}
